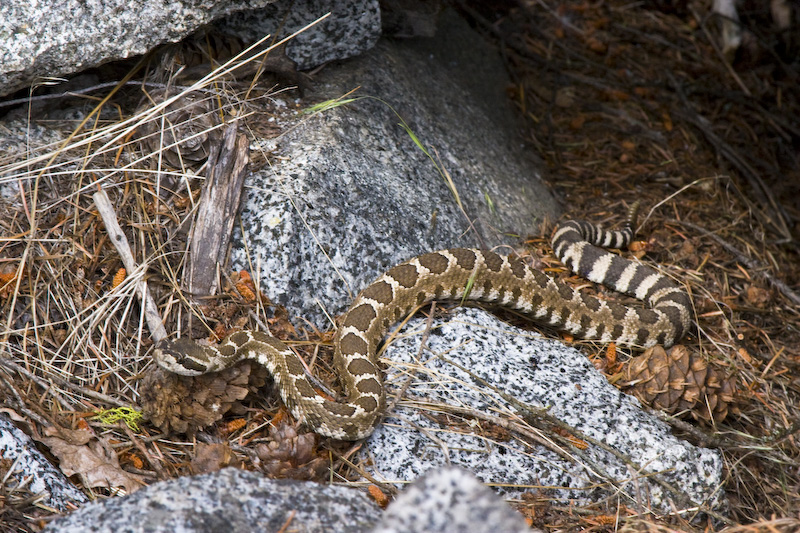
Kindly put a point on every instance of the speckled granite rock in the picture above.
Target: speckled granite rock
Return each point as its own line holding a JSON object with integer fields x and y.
{"x": 450, "y": 500}
{"x": 41, "y": 477}
{"x": 351, "y": 194}
{"x": 231, "y": 500}
{"x": 541, "y": 374}
{"x": 352, "y": 27}
{"x": 52, "y": 38}
{"x": 447, "y": 500}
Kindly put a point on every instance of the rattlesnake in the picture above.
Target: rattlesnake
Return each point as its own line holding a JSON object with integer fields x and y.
{"x": 455, "y": 274}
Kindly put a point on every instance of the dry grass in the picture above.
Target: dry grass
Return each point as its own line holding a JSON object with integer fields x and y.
{"x": 75, "y": 339}
{"x": 623, "y": 104}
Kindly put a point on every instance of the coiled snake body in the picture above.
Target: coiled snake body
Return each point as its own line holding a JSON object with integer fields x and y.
{"x": 455, "y": 274}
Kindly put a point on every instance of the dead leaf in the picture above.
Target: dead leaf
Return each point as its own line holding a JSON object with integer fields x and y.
{"x": 72, "y": 436}
{"x": 91, "y": 458}
{"x": 211, "y": 457}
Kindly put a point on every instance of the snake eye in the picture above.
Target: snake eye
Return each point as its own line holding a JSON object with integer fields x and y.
{"x": 192, "y": 367}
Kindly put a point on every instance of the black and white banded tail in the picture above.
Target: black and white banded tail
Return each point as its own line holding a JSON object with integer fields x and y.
{"x": 576, "y": 244}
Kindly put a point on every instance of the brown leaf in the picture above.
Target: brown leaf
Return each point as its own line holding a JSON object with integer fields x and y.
{"x": 91, "y": 458}
{"x": 211, "y": 457}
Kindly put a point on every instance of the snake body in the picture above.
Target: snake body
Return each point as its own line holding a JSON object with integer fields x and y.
{"x": 455, "y": 274}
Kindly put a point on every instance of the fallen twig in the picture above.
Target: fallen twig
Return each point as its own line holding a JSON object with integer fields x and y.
{"x": 120, "y": 242}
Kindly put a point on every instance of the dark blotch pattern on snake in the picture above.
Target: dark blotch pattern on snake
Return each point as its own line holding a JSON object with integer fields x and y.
{"x": 455, "y": 274}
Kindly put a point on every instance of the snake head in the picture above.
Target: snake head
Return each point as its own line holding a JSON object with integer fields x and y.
{"x": 182, "y": 356}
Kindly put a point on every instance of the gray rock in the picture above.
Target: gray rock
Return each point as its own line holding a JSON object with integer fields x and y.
{"x": 352, "y": 194}
{"x": 21, "y": 139}
{"x": 450, "y": 500}
{"x": 541, "y": 374}
{"x": 39, "y": 475}
{"x": 352, "y": 27}
{"x": 53, "y": 38}
{"x": 230, "y": 500}
{"x": 447, "y": 500}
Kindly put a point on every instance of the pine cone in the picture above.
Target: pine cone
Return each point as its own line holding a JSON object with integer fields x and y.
{"x": 292, "y": 455}
{"x": 680, "y": 382}
{"x": 183, "y": 404}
